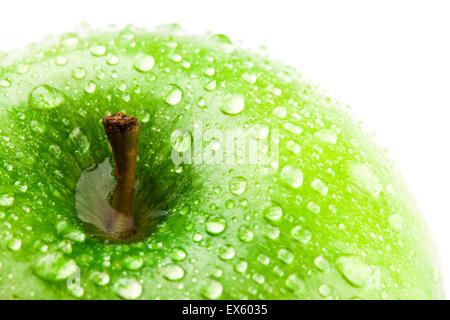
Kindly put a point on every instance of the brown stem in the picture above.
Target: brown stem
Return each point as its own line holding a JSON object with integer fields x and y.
{"x": 123, "y": 132}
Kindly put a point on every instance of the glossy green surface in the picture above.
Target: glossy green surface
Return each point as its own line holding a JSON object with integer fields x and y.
{"x": 331, "y": 220}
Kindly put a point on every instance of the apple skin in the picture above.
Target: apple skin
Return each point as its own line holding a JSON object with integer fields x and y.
{"x": 334, "y": 219}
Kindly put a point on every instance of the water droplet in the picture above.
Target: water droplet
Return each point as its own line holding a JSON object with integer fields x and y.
{"x": 112, "y": 60}
{"x": 241, "y": 266}
{"x": 273, "y": 213}
{"x": 215, "y": 224}
{"x": 6, "y": 200}
{"x": 23, "y": 68}
{"x": 321, "y": 263}
{"x": 326, "y": 135}
{"x": 238, "y": 185}
{"x": 173, "y": 95}
{"x": 5, "y": 83}
{"x": 226, "y": 252}
{"x": 75, "y": 289}
{"x": 396, "y": 222}
{"x": 258, "y": 278}
{"x": 280, "y": 112}
{"x": 294, "y": 147}
{"x": 210, "y": 86}
{"x": 250, "y": 78}
{"x": 324, "y": 290}
{"x": 175, "y": 57}
{"x": 295, "y": 284}
{"x": 232, "y": 105}
{"x": 212, "y": 289}
{"x": 45, "y": 97}
{"x": 128, "y": 288}
{"x": 319, "y": 186}
{"x": 286, "y": 256}
{"x": 90, "y": 87}
{"x": 292, "y": 128}
{"x": 301, "y": 234}
{"x": 173, "y": 272}
{"x": 61, "y": 61}
{"x": 54, "y": 267}
{"x": 69, "y": 39}
{"x": 245, "y": 234}
{"x": 100, "y": 278}
{"x": 144, "y": 63}
{"x": 197, "y": 237}
{"x": 210, "y": 71}
{"x": 224, "y": 41}
{"x": 292, "y": 176}
{"x": 14, "y": 244}
{"x": 133, "y": 262}
{"x": 178, "y": 254}
{"x": 313, "y": 207}
{"x": 78, "y": 73}
{"x": 98, "y": 51}
{"x": 271, "y": 232}
{"x": 358, "y": 273}
{"x": 263, "y": 259}
{"x": 181, "y": 140}
{"x": 364, "y": 177}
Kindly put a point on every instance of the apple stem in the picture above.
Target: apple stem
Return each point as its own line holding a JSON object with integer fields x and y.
{"x": 123, "y": 132}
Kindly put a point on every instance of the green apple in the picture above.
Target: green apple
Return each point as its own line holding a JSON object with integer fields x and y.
{"x": 307, "y": 207}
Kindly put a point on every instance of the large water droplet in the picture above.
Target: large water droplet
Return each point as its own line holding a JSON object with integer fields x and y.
{"x": 232, "y": 105}
{"x": 133, "y": 262}
{"x": 292, "y": 176}
{"x": 301, "y": 234}
{"x": 280, "y": 112}
{"x": 294, "y": 147}
{"x": 69, "y": 39}
{"x": 54, "y": 267}
{"x": 295, "y": 284}
{"x": 238, "y": 185}
{"x": 241, "y": 266}
{"x": 14, "y": 244}
{"x": 396, "y": 222}
{"x": 273, "y": 213}
{"x": 173, "y": 272}
{"x": 100, "y": 278}
{"x": 245, "y": 234}
{"x": 358, "y": 273}
{"x": 286, "y": 256}
{"x": 250, "y": 78}
{"x": 322, "y": 263}
{"x": 319, "y": 186}
{"x": 144, "y": 63}
{"x": 181, "y": 140}
{"x": 78, "y": 73}
{"x": 5, "y": 83}
{"x": 215, "y": 224}
{"x": 128, "y": 288}
{"x": 178, "y": 254}
{"x": 45, "y": 97}
{"x": 364, "y": 177}
{"x": 212, "y": 289}
{"x": 227, "y": 252}
{"x": 98, "y": 51}
{"x": 173, "y": 95}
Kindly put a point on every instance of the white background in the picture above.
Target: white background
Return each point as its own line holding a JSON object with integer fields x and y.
{"x": 390, "y": 60}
